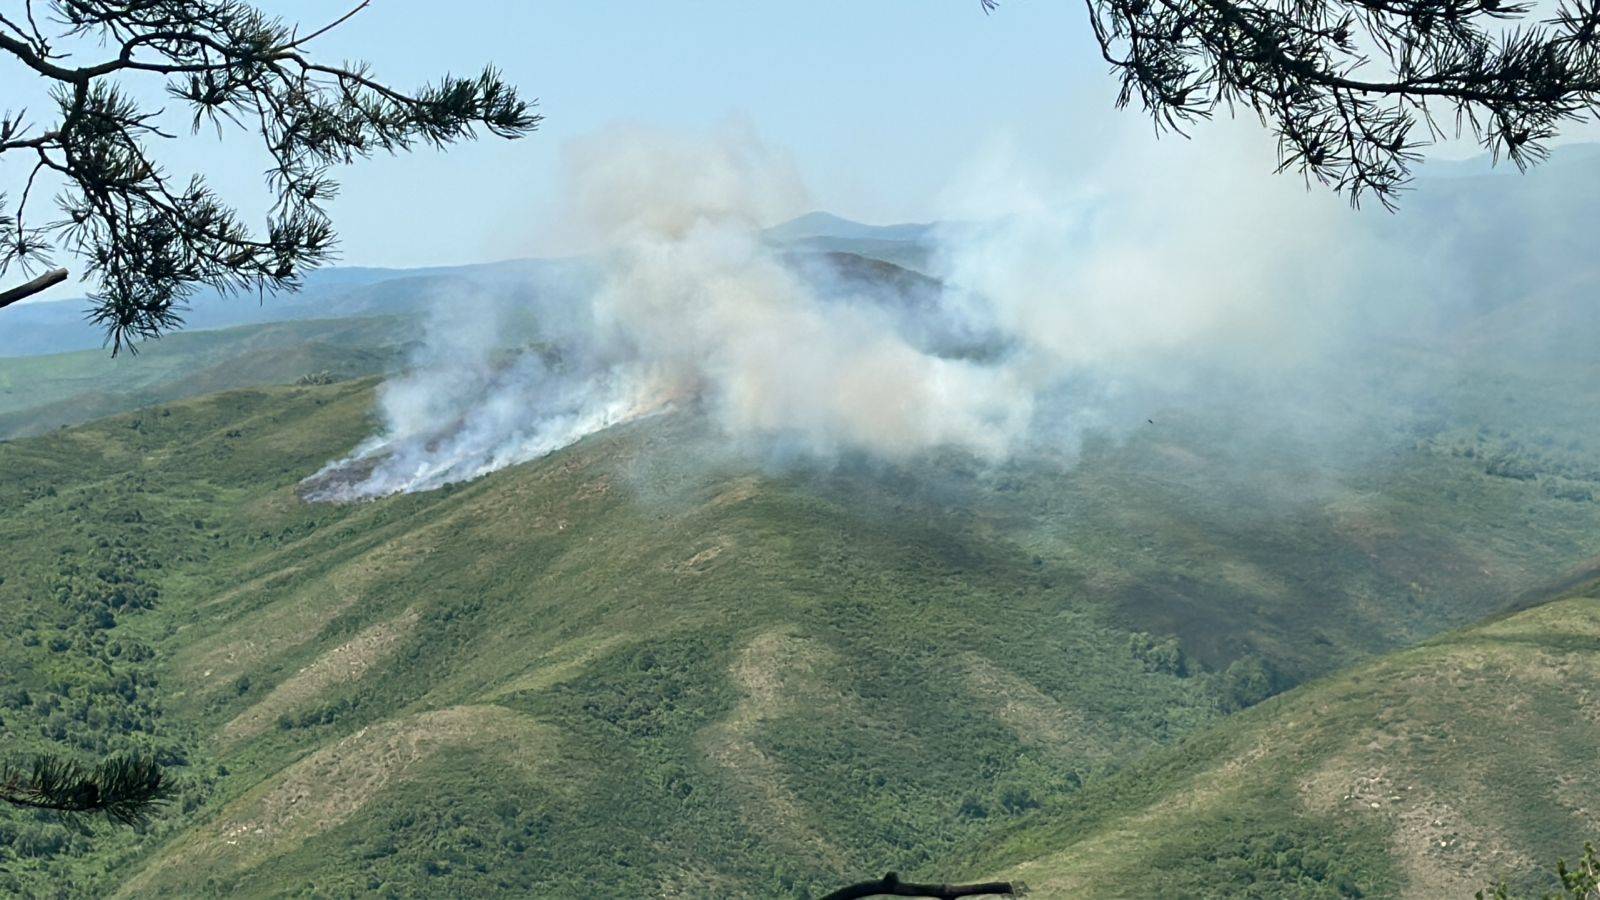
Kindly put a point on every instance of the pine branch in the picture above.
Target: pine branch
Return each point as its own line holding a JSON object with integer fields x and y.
{"x": 125, "y": 788}
{"x": 890, "y": 885}
{"x": 23, "y": 291}
{"x": 149, "y": 241}
{"x": 1355, "y": 88}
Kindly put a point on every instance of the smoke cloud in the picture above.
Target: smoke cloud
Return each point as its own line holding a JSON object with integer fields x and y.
{"x": 1064, "y": 302}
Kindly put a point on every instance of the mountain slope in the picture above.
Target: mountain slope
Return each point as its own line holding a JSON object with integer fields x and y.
{"x": 380, "y": 324}
{"x": 38, "y": 393}
{"x": 1431, "y": 772}
{"x": 647, "y": 665}
{"x": 731, "y": 678}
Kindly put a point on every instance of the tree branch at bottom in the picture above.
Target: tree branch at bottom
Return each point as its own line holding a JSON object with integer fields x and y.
{"x": 890, "y": 885}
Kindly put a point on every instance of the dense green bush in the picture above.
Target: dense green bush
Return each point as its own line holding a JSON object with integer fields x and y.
{"x": 1245, "y": 682}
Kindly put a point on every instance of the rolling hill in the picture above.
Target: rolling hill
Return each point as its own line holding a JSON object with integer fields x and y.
{"x": 645, "y": 665}
{"x": 1431, "y": 772}
{"x": 38, "y": 393}
{"x": 384, "y": 325}
{"x": 346, "y": 292}
{"x": 1201, "y": 646}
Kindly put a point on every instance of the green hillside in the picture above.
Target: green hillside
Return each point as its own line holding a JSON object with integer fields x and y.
{"x": 645, "y": 666}
{"x": 1432, "y": 772}
{"x": 38, "y": 393}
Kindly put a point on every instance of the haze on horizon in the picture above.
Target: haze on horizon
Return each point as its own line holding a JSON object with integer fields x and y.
{"x": 885, "y": 110}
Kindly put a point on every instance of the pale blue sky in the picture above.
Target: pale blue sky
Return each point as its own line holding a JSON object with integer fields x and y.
{"x": 881, "y": 102}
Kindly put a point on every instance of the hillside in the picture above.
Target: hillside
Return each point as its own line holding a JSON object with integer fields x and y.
{"x": 41, "y": 392}
{"x": 643, "y": 665}
{"x": 1432, "y": 772}
{"x": 383, "y": 323}
{"x": 59, "y": 326}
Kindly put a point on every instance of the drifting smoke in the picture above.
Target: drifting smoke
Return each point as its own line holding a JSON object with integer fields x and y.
{"x": 690, "y": 303}
{"x": 466, "y": 408}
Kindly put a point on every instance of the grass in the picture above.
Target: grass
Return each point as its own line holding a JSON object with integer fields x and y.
{"x": 38, "y": 393}
{"x": 645, "y": 666}
{"x": 1433, "y": 772}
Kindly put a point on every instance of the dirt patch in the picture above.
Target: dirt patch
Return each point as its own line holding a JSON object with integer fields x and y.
{"x": 775, "y": 671}
{"x": 702, "y": 560}
{"x": 737, "y": 491}
{"x": 286, "y": 624}
{"x": 1036, "y": 717}
{"x": 599, "y": 487}
{"x": 344, "y": 663}
{"x": 278, "y": 629}
{"x": 331, "y": 785}
{"x": 1443, "y": 851}
{"x": 1446, "y": 837}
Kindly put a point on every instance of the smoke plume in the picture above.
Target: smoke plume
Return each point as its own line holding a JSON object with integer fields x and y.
{"x": 685, "y": 300}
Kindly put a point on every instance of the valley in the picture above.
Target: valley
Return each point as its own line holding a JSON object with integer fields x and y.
{"x": 742, "y": 679}
{"x": 754, "y": 450}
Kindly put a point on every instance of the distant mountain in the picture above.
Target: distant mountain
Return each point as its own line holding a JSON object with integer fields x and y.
{"x": 1510, "y": 256}
{"x": 827, "y": 225}
{"x": 58, "y": 326}
{"x": 908, "y": 245}
{"x": 1483, "y": 164}
{"x": 1501, "y": 238}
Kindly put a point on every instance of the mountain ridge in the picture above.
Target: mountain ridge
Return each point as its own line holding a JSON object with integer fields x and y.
{"x": 644, "y": 649}
{"x": 1468, "y": 191}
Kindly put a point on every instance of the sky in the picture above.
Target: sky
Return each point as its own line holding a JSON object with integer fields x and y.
{"x": 881, "y": 103}
{"x": 883, "y": 106}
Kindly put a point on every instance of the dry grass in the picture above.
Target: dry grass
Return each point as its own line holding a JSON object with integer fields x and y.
{"x": 777, "y": 673}
{"x": 1441, "y": 751}
{"x": 344, "y": 663}
{"x": 701, "y": 561}
{"x": 1036, "y": 717}
{"x": 287, "y": 624}
{"x": 333, "y": 784}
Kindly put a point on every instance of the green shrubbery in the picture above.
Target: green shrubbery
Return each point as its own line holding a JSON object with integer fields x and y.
{"x": 1577, "y": 882}
{"x": 1245, "y": 682}
{"x": 1163, "y": 657}
{"x": 966, "y": 660}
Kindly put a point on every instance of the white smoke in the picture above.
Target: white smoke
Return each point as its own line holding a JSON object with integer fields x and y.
{"x": 467, "y": 407}
{"x": 691, "y": 303}
{"x": 692, "y": 288}
{"x": 1179, "y": 248}
{"x": 521, "y": 412}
